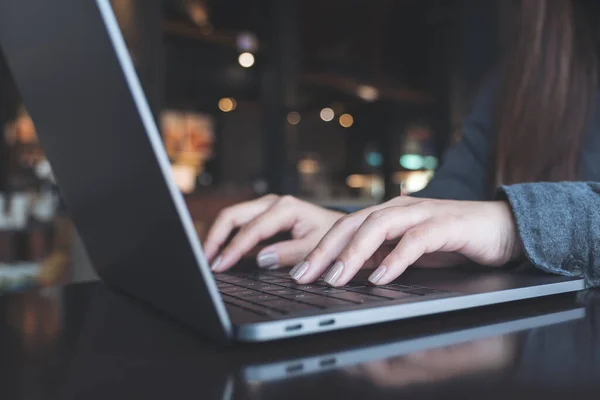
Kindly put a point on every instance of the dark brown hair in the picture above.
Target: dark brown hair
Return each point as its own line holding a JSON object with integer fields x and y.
{"x": 547, "y": 92}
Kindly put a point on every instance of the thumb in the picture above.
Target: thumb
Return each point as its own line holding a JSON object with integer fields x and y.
{"x": 284, "y": 254}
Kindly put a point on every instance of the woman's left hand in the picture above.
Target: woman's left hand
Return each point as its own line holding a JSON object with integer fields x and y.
{"x": 427, "y": 232}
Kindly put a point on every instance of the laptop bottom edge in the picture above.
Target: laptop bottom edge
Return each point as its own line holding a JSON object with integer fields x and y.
{"x": 307, "y": 325}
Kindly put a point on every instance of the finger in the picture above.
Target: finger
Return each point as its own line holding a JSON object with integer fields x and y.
{"x": 425, "y": 238}
{"x": 274, "y": 220}
{"x": 232, "y": 218}
{"x": 380, "y": 226}
{"x": 284, "y": 254}
{"x": 328, "y": 248}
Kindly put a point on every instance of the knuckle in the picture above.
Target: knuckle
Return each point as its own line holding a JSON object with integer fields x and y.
{"x": 250, "y": 230}
{"x": 351, "y": 252}
{"x": 269, "y": 197}
{"x": 416, "y": 235}
{"x": 318, "y": 251}
{"x": 239, "y": 244}
{"x": 424, "y": 207}
{"x": 287, "y": 199}
{"x": 345, "y": 221}
{"x": 225, "y": 213}
{"x": 377, "y": 216}
{"x": 340, "y": 223}
{"x": 426, "y": 203}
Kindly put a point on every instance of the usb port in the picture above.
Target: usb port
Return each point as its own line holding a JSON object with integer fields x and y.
{"x": 294, "y": 368}
{"x": 327, "y": 362}
{"x": 327, "y": 322}
{"x": 291, "y": 328}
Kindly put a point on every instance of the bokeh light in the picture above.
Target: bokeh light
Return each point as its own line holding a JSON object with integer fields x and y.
{"x": 368, "y": 93}
{"x": 227, "y": 104}
{"x": 346, "y": 120}
{"x": 246, "y": 60}
{"x": 327, "y": 114}
{"x": 293, "y": 118}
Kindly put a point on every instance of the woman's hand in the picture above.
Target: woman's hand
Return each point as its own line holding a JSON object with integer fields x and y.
{"x": 427, "y": 232}
{"x": 261, "y": 219}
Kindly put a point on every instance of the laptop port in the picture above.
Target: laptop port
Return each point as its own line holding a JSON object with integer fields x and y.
{"x": 291, "y": 328}
{"x": 327, "y": 322}
{"x": 327, "y": 362}
{"x": 294, "y": 368}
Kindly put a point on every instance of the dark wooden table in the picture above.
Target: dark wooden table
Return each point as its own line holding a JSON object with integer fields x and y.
{"x": 84, "y": 341}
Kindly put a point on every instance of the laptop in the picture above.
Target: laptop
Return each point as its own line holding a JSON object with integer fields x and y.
{"x": 79, "y": 84}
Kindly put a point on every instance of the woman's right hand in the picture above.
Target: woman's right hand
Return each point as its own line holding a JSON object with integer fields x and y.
{"x": 261, "y": 219}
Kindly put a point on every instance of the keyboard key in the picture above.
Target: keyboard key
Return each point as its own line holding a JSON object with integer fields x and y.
{"x": 385, "y": 293}
{"x": 327, "y": 290}
{"x": 229, "y": 278}
{"x": 302, "y": 287}
{"x": 298, "y": 296}
{"x": 356, "y": 298}
{"x": 262, "y": 298}
{"x": 245, "y": 293}
{"x": 266, "y": 287}
{"x": 249, "y": 284}
{"x": 254, "y": 275}
{"x": 232, "y": 289}
{"x": 347, "y": 286}
{"x": 283, "y": 292}
{"x": 273, "y": 279}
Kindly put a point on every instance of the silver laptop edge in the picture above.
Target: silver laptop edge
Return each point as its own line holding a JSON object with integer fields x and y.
{"x": 347, "y": 319}
{"x": 143, "y": 107}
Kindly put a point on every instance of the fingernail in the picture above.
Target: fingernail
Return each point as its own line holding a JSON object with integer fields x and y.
{"x": 216, "y": 263}
{"x": 334, "y": 273}
{"x": 268, "y": 260}
{"x": 299, "y": 270}
{"x": 376, "y": 276}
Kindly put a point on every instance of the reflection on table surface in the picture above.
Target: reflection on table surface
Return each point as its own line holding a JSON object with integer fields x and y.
{"x": 86, "y": 341}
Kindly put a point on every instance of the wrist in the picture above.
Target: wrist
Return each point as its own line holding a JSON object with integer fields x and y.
{"x": 516, "y": 250}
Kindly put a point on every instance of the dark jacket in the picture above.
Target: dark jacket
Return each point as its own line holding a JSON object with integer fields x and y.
{"x": 559, "y": 223}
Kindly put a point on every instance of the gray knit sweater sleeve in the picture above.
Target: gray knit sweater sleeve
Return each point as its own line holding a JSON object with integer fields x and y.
{"x": 559, "y": 225}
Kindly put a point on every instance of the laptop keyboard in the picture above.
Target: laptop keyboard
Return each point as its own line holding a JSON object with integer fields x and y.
{"x": 276, "y": 293}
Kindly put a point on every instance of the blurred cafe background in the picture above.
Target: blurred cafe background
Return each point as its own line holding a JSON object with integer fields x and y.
{"x": 340, "y": 102}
